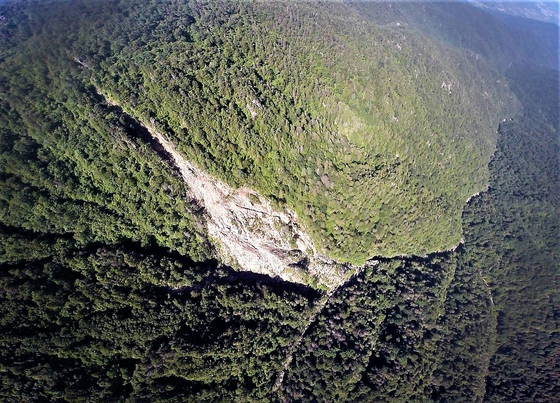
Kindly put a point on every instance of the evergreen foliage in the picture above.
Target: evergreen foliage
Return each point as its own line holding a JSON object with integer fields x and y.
{"x": 374, "y": 134}
{"x": 513, "y": 236}
{"x": 108, "y": 286}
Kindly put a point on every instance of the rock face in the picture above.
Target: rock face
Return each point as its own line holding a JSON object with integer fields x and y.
{"x": 250, "y": 234}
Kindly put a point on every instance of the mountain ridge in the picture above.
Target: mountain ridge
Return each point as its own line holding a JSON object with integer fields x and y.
{"x": 372, "y": 122}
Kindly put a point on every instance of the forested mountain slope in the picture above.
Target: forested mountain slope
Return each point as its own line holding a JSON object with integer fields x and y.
{"x": 375, "y": 135}
{"x": 374, "y": 122}
{"x": 500, "y": 39}
{"x": 514, "y": 233}
{"x": 546, "y": 11}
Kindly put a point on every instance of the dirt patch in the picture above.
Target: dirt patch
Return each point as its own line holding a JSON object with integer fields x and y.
{"x": 248, "y": 231}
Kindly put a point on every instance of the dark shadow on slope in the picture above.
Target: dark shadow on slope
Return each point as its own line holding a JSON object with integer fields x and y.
{"x": 214, "y": 272}
{"x": 135, "y": 129}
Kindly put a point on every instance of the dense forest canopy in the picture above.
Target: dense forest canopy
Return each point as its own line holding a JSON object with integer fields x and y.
{"x": 378, "y": 132}
{"x": 374, "y": 121}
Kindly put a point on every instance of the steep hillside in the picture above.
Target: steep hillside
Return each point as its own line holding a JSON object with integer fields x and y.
{"x": 166, "y": 166}
{"x": 500, "y": 39}
{"x": 375, "y": 135}
{"x": 513, "y": 232}
{"x": 546, "y": 11}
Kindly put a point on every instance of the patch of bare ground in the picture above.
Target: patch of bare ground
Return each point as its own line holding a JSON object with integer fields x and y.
{"x": 250, "y": 233}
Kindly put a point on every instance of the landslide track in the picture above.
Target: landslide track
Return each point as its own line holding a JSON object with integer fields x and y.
{"x": 249, "y": 233}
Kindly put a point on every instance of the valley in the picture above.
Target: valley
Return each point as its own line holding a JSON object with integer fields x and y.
{"x": 284, "y": 201}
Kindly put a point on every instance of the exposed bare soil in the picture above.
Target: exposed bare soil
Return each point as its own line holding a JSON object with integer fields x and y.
{"x": 248, "y": 232}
